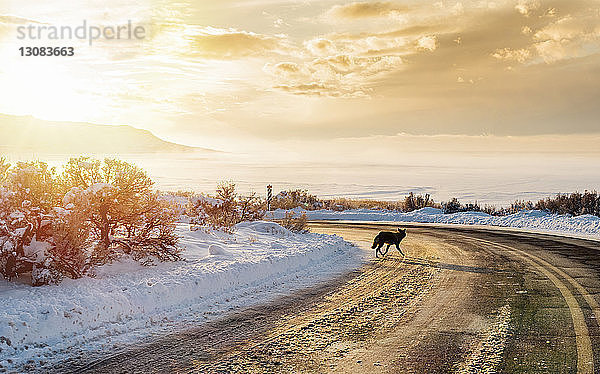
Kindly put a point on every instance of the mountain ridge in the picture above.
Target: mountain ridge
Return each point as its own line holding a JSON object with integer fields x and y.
{"x": 30, "y": 134}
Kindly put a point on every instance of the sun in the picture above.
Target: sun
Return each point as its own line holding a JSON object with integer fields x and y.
{"x": 48, "y": 88}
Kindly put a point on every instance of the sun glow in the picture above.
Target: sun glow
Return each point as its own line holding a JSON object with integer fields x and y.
{"x": 48, "y": 90}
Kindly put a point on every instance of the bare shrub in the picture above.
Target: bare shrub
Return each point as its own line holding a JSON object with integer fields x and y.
{"x": 251, "y": 208}
{"x": 454, "y": 206}
{"x": 226, "y": 208}
{"x": 152, "y": 233}
{"x": 4, "y": 166}
{"x": 415, "y": 202}
{"x": 291, "y": 199}
{"x": 295, "y": 223}
{"x": 341, "y": 204}
{"x": 575, "y": 204}
{"x": 217, "y": 212}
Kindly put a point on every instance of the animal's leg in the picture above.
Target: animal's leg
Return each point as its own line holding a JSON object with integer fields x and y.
{"x": 378, "y": 250}
{"x": 386, "y": 249}
{"x": 399, "y": 250}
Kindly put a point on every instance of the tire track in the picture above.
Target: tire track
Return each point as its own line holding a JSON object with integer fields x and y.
{"x": 349, "y": 315}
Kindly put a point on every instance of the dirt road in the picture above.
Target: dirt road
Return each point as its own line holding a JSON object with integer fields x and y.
{"x": 463, "y": 300}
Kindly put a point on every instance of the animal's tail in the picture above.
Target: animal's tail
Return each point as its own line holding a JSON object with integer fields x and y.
{"x": 375, "y": 242}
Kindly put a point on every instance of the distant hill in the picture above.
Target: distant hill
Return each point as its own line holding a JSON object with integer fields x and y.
{"x": 29, "y": 134}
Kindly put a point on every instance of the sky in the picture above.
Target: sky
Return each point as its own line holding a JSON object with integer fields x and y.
{"x": 313, "y": 75}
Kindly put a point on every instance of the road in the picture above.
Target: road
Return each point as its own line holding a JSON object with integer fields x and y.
{"x": 465, "y": 300}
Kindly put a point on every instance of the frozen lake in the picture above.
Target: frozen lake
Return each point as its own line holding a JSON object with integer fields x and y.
{"x": 486, "y": 178}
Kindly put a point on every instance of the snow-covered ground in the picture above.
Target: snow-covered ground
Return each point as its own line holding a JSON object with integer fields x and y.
{"x": 533, "y": 220}
{"x": 127, "y": 302}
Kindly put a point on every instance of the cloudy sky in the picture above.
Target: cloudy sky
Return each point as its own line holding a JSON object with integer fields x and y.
{"x": 242, "y": 74}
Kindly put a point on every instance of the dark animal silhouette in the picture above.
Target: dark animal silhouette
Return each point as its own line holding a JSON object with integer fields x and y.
{"x": 389, "y": 238}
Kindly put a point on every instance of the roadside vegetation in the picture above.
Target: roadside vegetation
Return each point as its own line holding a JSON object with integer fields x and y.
{"x": 224, "y": 209}
{"x": 64, "y": 225}
{"x": 56, "y": 225}
{"x": 291, "y": 199}
{"x": 295, "y": 222}
{"x": 574, "y": 204}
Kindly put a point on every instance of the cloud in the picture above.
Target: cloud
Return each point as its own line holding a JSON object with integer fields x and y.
{"x": 234, "y": 44}
{"x": 409, "y": 31}
{"x": 507, "y": 54}
{"x": 568, "y": 37}
{"x": 360, "y": 66}
{"x": 567, "y": 27}
{"x": 375, "y": 45}
{"x": 526, "y": 7}
{"x": 428, "y": 43}
{"x": 320, "y": 47}
{"x": 372, "y": 44}
{"x": 360, "y": 10}
{"x": 321, "y": 89}
{"x": 335, "y": 76}
{"x": 346, "y": 65}
{"x": 552, "y": 51}
{"x": 14, "y": 20}
{"x": 285, "y": 71}
{"x": 288, "y": 67}
{"x": 8, "y": 23}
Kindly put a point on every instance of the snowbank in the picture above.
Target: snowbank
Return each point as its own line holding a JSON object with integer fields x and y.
{"x": 126, "y": 302}
{"x": 586, "y": 225}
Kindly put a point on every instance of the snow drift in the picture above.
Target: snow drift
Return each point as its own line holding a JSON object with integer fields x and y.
{"x": 126, "y": 302}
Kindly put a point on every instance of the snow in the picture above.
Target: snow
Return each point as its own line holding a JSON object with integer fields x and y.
{"x": 587, "y": 226}
{"x": 217, "y": 250}
{"x": 126, "y": 302}
{"x": 36, "y": 250}
{"x": 100, "y": 186}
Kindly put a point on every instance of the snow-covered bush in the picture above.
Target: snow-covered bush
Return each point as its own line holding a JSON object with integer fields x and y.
{"x": 70, "y": 239}
{"x": 226, "y": 208}
{"x": 27, "y": 194}
{"x": 55, "y": 227}
{"x": 126, "y": 215}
